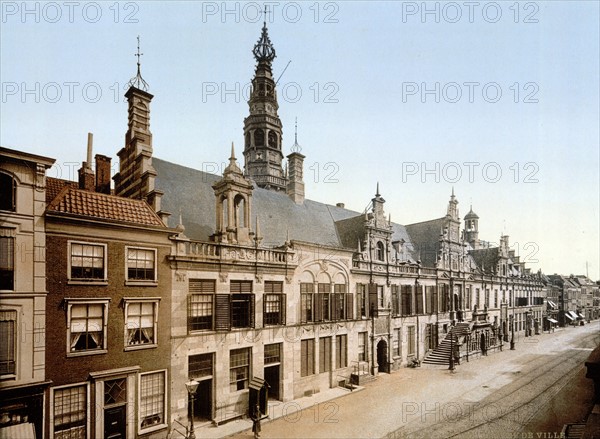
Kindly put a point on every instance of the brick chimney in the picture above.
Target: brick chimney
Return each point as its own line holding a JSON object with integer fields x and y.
{"x": 103, "y": 174}
{"x": 86, "y": 175}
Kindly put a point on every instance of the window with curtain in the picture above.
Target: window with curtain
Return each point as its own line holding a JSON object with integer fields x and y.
{"x": 86, "y": 326}
{"x": 141, "y": 322}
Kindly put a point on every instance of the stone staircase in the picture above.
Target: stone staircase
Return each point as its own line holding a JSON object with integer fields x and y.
{"x": 441, "y": 354}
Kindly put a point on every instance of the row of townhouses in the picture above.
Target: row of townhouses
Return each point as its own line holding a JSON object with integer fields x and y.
{"x": 115, "y": 294}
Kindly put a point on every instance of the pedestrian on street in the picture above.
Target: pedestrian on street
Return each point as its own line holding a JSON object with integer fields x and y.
{"x": 256, "y": 422}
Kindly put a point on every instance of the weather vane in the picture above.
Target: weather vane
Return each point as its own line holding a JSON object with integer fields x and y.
{"x": 137, "y": 81}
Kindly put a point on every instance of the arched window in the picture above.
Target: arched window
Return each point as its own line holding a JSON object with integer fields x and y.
{"x": 225, "y": 218}
{"x": 240, "y": 211}
{"x": 8, "y": 194}
{"x": 272, "y": 139}
{"x": 259, "y": 137}
{"x": 380, "y": 251}
{"x": 247, "y": 140}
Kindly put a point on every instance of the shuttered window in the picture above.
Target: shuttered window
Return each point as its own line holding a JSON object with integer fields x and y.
{"x": 201, "y": 304}
{"x": 307, "y": 357}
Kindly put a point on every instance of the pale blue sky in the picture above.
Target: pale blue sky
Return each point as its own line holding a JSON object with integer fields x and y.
{"x": 370, "y": 132}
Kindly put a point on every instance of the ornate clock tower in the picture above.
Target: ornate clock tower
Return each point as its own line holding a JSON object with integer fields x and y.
{"x": 262, "y": 128}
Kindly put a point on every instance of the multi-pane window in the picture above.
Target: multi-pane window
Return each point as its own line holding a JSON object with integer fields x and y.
{"x": 8, "y": 340}
{"x": 477, "y": 298}
{"x": 469, "y": 298}
{"x": 87, "y": 261}
{"x": 341, "y": 351}
{"x": 69, "y": 417}
{"x": 487, "y": 298}
{"x": 306, "y": 302}
{"x": 362, "y": 347}
{"x": 7, "y": 262}
{"x": 8, "y": 194}
{"x": 307, "y": 357}
{"x": 273, "y": 353}
{"x": 407, "y": 300}
{"x": 397, "y": 346}
{"x": 495, "y": 298}
{"x": 323, "y": 303}
{"x": 430, "y": 299}
{"x": 201, "y": 304}
{"x": 419, "y": 299}
{"x": 200, "y": 366}
{"x": 141, "y": 264}
{"x": 395, "y": 301}
{"x": 445, "y": 298}
{"x": 86, "y": 326}
{"x": 274, "y": 304}
{"x": 411, "y": 340}
{"x": 152, "y": 400}
{"x": 141, "y": 322}
{"x": 239, "y": 369}
{"x": 324, "y": 354}
{"x": 242, "y": 304}
{"x": 343, "y": 303}
{"x": 361, "y": 300}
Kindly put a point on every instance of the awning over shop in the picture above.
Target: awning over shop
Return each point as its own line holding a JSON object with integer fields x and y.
{"x": 18, "y": 431}
{"x": 551, "y": 320}
{"x": 569, "y": 316}
{"x": 552, "y": 304}
{"x": 574, "y": 314}
{"x": 580, "y": 316}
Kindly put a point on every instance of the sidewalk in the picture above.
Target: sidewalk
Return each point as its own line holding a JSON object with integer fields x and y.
{"x": 291, "y": 411}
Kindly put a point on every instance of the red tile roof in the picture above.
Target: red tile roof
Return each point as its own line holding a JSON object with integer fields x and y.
{"x": 55, "y": 185}
{"x": 102, "y": 206}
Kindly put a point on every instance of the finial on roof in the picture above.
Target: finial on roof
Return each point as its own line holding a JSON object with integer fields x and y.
{"x": 137, "y": 81}
{"x": 263, "y": 49}
{"x": 257, "y": 236}
{"x": 295, "y": 147}
{"x": 232, "y": 157}
{"x": 359, "y": 246}
{"x": 180, "y": 227}
{"x": 377, "y": 192}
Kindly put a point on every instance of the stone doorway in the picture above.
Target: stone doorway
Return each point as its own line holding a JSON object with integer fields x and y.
{"x": 382, "y": 357}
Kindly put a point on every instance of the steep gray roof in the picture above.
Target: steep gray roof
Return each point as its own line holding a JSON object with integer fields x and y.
{"x": 425, "y": 237}
{"x": 191, "y": 191}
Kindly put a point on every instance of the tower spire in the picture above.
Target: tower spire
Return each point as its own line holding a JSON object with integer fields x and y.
{"x": 295, "y": 147}
{"x": 137, "y": 81}
{"x": 262, "y": 128}
{"x": 263, "y": 49}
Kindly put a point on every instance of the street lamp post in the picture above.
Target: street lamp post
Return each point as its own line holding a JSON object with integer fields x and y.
{"x": 512, "y": 332}
{"x": 191, "y": 387}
